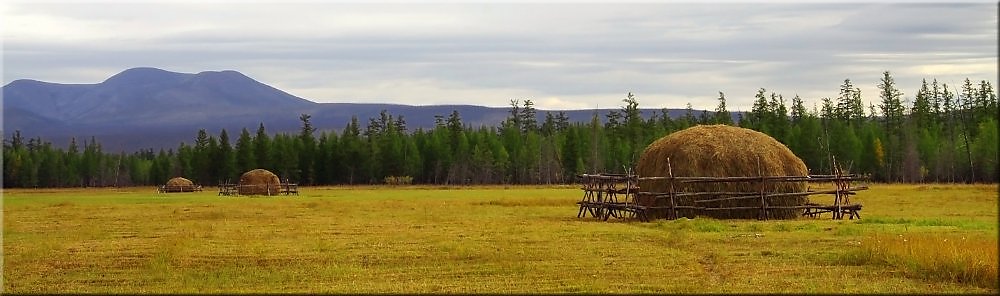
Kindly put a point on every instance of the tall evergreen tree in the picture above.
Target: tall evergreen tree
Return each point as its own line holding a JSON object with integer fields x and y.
{"x": 759, "y": 113}
{"x": 201, "y": 159}
{"x": 849, "y": 107}
{"x": 307, "y": 151}
{"x": 892, "y": 111}
{"x": 226, "y": 158}
{"x": 528, "y": 120}
{"x": 355, "y": 153}
{"x": 262, "y": 149}
{"x": 245, "y": 156}
{"x": 777, "y": 118}
{"x": 921, "y": 112}
{"x": 722, "y": 116}
{"x": 988, "y": 98}
{"x": 798, "y": 109}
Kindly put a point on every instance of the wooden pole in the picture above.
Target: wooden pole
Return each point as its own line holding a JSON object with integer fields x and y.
{"x": 673, "y": 205}
{"x": 809, "y": 178}
{"x": 836, "y": 182}
{"x": 763, "y": 195}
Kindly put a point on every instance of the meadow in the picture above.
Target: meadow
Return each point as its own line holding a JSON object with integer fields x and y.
{"x": 922, "y": 238}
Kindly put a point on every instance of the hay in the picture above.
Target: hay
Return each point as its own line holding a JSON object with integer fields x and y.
{"x": 179, "y": 181}
{"x": 722, "y": 151}
{"x": 179, "y": 184}
{"x": 259, "y": 182}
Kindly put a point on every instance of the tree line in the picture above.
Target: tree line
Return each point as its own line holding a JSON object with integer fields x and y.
{"x": 945, "y": 134}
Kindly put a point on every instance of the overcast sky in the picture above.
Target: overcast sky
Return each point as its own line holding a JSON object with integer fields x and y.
{"x": 560, "y": 55}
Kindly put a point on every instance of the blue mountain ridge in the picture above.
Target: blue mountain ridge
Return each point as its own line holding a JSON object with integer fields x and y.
{"x": 144, "y": 107}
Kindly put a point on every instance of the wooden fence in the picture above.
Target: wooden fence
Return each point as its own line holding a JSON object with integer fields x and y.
{"x": 285, "y": 188}
{"x": 177, "y": 188}
{"x": 618, "y": 195}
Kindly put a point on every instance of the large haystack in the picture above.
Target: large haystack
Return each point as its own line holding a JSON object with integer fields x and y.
{"x": 722, "y": 151}
{"x": 259, "y": 182}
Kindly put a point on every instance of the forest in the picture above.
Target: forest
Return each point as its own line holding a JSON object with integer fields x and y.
{"x": 944, "y": 134}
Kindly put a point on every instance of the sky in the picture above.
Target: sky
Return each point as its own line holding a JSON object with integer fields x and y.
{"x": 560, "y": 55}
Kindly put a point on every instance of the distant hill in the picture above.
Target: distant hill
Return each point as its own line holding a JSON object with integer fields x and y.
{"x": 154, "y": 108}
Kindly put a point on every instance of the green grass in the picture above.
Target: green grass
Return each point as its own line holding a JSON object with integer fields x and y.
{"x": 469, "y": 240}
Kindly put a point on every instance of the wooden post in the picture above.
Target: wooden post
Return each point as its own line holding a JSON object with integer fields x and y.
{"x": 631, "y": 181}
{"x": 845, "y": 185}
{"x": 763, "y": 202}
{"x": 583, "y": 182}
{"x": 610, "y": 197}
{"x": 673, "y": 206}
{"x": 837, "y": 214}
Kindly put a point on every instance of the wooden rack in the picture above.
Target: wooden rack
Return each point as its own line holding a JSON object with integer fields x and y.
{"x": 615, "y": 195}
{"x": 286, "y": 188}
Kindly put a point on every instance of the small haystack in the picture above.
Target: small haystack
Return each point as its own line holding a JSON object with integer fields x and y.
{"x": 179, "y": 181}
{"x": 259, "y": 182}
{"x": 722, "y": 151}
{"x": 178, "y": 184}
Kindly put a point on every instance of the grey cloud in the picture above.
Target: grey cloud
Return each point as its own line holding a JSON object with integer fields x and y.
{"x": 682, "y": 51}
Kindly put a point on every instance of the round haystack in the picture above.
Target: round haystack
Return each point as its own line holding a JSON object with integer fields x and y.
{"x": 722, "y": 151}
{"x": 179, "y": 181}
{"x": 259, "y": 182}
{"x": 179, "y": 184}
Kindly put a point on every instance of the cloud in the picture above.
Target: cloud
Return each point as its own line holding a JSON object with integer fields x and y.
{"x": 559, "y": 55}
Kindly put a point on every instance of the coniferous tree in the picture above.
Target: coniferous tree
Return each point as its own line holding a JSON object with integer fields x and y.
{"x": 689, "y": 120}
{"x": 970, "y": 104}
{"x": 777, "y": 118}
{"x": 354, "y": 151}
{"x": 72, "y": 162}
{"x": 227, "y": 158}
{"x": 633, "y": 127}
{"x": 949, "y": 150}
{"x": 921, "y": 112}
{"x": 849, "y": 107}
{"x": 758, "y": 117}
{"x": 201, "y": 159}
{"x": 988, "y": 98}
{"x": 245, "y": 157}
{"x": 892, "y": 109}
{"x": 571, "y": 154}
{"x": 528, "y": 120}
{"x": 549, "y": 125}
{"x": 595, "y": 161}
{"x": 262, "y": 149}
{"x": 985, "y": 151}
{"x": 306, "y": 151}
{"x": 798, "y": 110}
{"x": 722, "y": 115}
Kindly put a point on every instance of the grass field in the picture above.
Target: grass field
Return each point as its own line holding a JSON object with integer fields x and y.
{"x": 911, "y": 239}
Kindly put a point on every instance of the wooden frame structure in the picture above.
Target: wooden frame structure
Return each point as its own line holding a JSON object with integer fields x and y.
{"x": 285, "y": 188}
{"x": 615, "y": 195}
{"x": 177, "y": 188}
{"x": 600, "y": 196}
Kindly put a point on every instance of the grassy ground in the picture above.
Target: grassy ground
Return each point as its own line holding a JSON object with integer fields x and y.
{"x": 483, "y": 239}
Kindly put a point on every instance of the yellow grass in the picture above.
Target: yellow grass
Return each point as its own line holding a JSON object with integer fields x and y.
{"x": 467, "y": 240}
{"x": 956, "y": 258}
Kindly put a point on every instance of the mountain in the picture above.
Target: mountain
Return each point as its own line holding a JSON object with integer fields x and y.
{"x": 153, "y": 108}
{"x": 149, "y": 97}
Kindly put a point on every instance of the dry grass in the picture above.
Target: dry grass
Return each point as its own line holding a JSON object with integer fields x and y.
{"x": 955, "y": 258}
{"x": 458, "y": 240}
